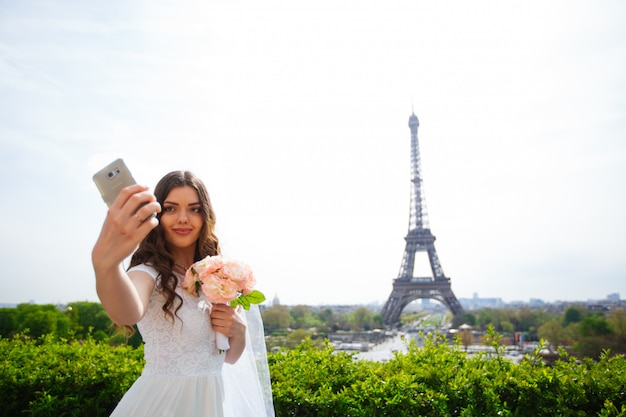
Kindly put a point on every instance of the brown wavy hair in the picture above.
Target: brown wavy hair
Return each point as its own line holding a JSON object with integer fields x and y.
{"x": 155, "y": 251}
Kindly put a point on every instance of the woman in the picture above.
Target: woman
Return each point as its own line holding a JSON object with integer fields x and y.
{"x": 184, "y": 374}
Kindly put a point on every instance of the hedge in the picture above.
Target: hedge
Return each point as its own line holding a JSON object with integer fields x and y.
{"x": 48, "y": 377}
{"x": 68, "y": 378}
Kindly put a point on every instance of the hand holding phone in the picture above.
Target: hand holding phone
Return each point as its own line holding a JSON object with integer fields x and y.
{"x": 111, "y": 179}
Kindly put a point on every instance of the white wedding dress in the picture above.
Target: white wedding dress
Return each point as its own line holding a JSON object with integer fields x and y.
{"x": 185, "y": 374}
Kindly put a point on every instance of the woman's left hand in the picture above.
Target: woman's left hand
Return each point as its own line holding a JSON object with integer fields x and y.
{"x": 224, "y": 319}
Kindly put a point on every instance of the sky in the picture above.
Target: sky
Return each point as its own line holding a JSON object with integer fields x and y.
{"x": 295, "y": 114}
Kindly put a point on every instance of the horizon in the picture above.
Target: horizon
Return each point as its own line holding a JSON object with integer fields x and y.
{"x": 434, "y": 302}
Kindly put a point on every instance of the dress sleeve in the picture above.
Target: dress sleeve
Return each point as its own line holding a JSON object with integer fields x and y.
{"x": 147, "y": 269}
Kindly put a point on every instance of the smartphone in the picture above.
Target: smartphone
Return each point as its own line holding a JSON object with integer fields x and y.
{"x": 111, "y": 179}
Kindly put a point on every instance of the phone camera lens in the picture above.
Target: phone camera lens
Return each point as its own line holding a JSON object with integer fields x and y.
{"x": 111, "y": 174}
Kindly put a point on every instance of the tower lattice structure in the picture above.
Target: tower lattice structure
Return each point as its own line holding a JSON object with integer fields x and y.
{"x": 407, "y": 287}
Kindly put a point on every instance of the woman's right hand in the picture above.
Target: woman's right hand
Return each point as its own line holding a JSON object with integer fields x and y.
{"x": 129, "y": 220}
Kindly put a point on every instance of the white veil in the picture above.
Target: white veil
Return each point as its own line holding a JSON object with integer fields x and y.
{"x": 247, "y": 387}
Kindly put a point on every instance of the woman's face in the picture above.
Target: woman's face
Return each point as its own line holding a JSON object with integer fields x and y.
{"x": 181, "y": 217}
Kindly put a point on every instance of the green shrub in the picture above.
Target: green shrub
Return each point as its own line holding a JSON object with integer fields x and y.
{"x": 52, "y": 377}
{"x": 441, "y": 380}
{"x": 308, "y": 381}
{"x": 47, "y": 377}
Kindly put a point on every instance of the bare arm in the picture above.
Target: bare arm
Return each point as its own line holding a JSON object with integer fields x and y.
{"x": 124, "y": 296}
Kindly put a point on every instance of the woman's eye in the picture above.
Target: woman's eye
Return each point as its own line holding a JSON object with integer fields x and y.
{"x": 197, "y": 210}
{"x": 168, "y": 209}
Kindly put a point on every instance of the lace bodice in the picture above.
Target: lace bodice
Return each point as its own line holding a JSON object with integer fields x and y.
{"x": 185, "y": 347}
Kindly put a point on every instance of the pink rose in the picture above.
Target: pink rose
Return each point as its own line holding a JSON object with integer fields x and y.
{"x": 249, "y": 284}
{"x": 218, "y": 289}
{"x": 236, "y": 271}
{"x": 189, "y": 283}
{"x": 208, "y": 265}
{"x": 199, "y": 271}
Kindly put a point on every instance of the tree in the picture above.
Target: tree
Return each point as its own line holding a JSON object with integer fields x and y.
{"x": 595, "y": 325}
{"x": 507, "y": 327}
{"x": 276, "y": 318}
{"x": 362, "y": 319}
{"x": 617, "y": 322}
{"x": 88, "y": 317}
{"x": 593, "y": 336}
{"x": 465, "y": 318}
{"x": 530, "y": 320}
{"x": 7, "y": 322}
{"x": 326, "y": 318}
{"x": 485, "y": 317}
{"x": 299, "y": 314}
{"x": 466, "y": 336}
{"x": 295, "y": 338}
{"x": 551, "y": 331}
{"x": 573, "y": 314}
{"x": 39, "y": 323}
{"x": 40, "y": 320}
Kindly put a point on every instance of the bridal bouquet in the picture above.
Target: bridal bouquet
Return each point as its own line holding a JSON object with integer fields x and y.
{"x": 222, "y": 280}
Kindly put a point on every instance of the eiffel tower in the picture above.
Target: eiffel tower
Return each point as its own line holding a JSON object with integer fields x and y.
{"x": 407, "y": 288}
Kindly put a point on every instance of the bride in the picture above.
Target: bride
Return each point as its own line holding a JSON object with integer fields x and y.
{"x": 185, "y": 374}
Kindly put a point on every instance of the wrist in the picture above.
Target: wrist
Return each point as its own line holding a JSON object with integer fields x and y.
{"x": 105, "y": 269}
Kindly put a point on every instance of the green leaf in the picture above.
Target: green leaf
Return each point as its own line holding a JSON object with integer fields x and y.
{"x": 255, "y": 297}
